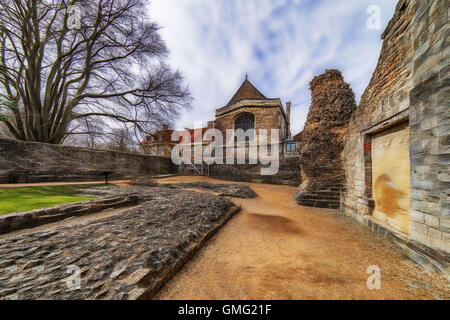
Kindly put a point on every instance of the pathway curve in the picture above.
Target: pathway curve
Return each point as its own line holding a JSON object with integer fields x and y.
{"x": 276, "y": 249}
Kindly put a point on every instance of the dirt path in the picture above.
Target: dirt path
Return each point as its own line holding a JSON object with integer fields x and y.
{"x": 275, "y": 249}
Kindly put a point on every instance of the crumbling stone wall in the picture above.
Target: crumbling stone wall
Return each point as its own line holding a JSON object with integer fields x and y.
{"x": 37, "y": 162}
{"x": 332, "y": 104}
{"x": 410, "y": 83}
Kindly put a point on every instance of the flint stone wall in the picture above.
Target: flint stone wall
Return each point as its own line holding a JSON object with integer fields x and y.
{"x": 322, "y": 173}
{"x": 22, "y": 162}
{"x": 410, "y": 83}
{"x": 288, "y": 173}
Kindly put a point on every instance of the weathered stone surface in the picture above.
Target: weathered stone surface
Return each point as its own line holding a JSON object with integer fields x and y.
{"x": 288, "y": 173}
{"x": 332, "y": 104}
{"x": 411, "y": 85}
{"x": 127, "y": 256}
{"x": 229, "y": 190}
{"x": 39, "y": 162}
{"x": 144, "y": 182}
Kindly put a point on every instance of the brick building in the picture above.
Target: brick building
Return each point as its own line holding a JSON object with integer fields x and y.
{"x": 160, "y": 143}
{"x": 247, "y": 109}
{"x": 250, "y": 109}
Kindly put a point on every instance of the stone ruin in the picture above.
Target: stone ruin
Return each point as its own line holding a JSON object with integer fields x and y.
{"x": 385, "y": 162}
{"x": 407, "y": 99}
{"x": 332, "y": 105}
{"x": 127, "y": 255}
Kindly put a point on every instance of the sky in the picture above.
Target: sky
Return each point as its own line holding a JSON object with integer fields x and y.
{"x": 280, "y": 44}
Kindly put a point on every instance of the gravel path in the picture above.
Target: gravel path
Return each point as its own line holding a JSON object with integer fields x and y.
{"x": 275, "y": 249}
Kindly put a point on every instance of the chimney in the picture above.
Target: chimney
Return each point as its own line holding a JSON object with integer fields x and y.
{"x": 288, "y": 118}
{"x": 165, "y": 127}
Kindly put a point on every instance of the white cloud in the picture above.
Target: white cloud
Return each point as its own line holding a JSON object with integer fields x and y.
{"x": 281, "y": 44}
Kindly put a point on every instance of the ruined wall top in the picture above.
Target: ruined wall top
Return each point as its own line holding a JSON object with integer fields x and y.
{"x": 329, "y": 75}
{"x": 332, "y": 100}
{"x": 393, "y": 70}
{"x": 394, "y": 22}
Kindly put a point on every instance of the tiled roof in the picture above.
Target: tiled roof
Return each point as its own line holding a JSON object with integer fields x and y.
{"x": 193, "y": 132}
{"x": 167, "y": 136}
{"x": 298, "y": 136}
{"x": 247, "y": 91}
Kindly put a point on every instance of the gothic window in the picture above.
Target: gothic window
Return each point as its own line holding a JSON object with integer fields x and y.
{"x": 245, "y": 122}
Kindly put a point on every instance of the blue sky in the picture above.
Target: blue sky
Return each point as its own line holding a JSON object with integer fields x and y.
{"x": 281, "y": 44}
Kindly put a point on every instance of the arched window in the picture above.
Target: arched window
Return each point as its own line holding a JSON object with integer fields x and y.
{"x": 245, "y": 121}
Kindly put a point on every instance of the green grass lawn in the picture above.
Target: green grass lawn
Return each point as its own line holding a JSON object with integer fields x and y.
{"x": 29, "y": 198}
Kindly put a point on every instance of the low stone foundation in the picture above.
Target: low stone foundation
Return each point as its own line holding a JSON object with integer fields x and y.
{"x": 224, "y": 190}
{"x": 126, "y": 256}
{"x": 288, "y": 174}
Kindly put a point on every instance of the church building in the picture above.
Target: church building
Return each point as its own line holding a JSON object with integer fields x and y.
{"x": 247, "y": 109}
{"x": 250, "y": 109}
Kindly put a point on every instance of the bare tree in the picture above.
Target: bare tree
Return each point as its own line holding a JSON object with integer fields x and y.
{"x": 58, "y": 78}
{"x": 121, "y": 139}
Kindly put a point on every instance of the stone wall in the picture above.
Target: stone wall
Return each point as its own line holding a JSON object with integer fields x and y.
{"x": 37, "y": 162}
{"x": 288, "y": 173}
{"x": 409, "y": 84}
{"x": 429, "y": 121}
{"x": 332, "y": 104}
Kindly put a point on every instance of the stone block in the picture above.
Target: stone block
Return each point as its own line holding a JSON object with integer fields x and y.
{"x": 417, "y": 194}
{"x": 434, "y": 236}
{"x": 417, "y": 216}
{"x": 418, "y": 236}
{"x": 431, "y": 221}
{"x": 445, "y": 224}
{"x": 422, "y": 184}
{"x": 419, "y": 227}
